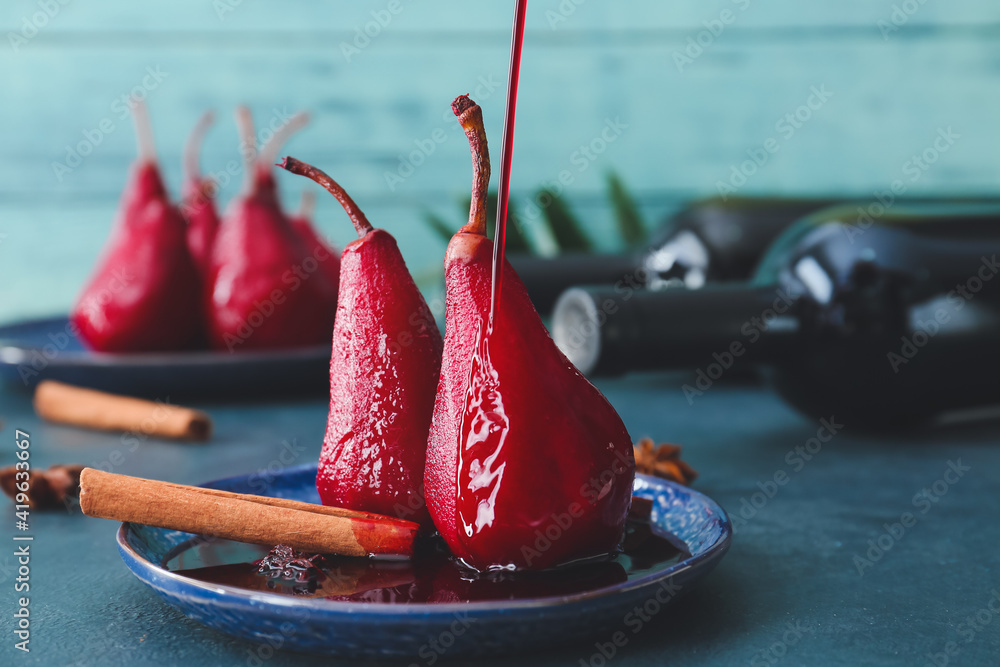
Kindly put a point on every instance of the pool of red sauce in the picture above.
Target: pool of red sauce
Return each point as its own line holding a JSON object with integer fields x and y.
{"x": 432, "y": 576}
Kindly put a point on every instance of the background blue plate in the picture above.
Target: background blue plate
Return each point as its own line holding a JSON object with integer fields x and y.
{"x": 373, "y": 630}
{"x": 44, "y": 349}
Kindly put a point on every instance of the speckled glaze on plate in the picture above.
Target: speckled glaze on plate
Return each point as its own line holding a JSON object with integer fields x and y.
{"x": 45, "y": 349}
{"x": 377, "y": 630}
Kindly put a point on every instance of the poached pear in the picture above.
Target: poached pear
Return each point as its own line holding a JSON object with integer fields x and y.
{"x": 265, "y": 289}
{"x": 145, "y": 294}
{"x": 528, "y": 465}
{"x": 384, "y": 369}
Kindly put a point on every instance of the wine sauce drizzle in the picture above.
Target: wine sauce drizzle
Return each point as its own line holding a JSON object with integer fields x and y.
{"x": 484, "y": 420}
{"x": 507, "y": 155}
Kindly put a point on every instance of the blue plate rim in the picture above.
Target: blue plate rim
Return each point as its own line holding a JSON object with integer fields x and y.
{"x": 12, "y": 353}
{"x": 134, "y": 561}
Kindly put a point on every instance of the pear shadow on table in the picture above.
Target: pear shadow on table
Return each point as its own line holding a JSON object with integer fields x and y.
{"x": 665, "y": 380}
{"x": 978, "y": 426}
{"x": 699, "y": 617}
{"x": 977, "y": 429}
{"x": 764, "y": 447}
{"x": 971, "y": 428}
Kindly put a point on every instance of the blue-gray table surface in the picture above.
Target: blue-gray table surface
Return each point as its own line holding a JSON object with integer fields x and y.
{"x": 893, "y": 74}
{"x": 814, "y": 576}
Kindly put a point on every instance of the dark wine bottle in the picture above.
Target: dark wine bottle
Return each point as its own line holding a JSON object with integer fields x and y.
{"x": 709, "y": 239}
{"x": 880, "y": 321}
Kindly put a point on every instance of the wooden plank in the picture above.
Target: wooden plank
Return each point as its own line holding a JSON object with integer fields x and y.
{"x": 236, "y": 16}
{"x": 685, "y": 129}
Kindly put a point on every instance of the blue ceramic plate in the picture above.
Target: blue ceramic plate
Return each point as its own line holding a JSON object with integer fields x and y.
{"x": 46, "y": 350}
{"x": 379, "y": 630}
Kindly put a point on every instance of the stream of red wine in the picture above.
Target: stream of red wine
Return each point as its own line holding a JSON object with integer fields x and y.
{"x": 484, "y": 419}
{"x": 506, "y": 155}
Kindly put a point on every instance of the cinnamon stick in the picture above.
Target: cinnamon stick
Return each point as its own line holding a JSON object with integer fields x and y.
{"x": 283, "y": 502}
{"x": 88, "y": 408}
{"x": 243, "y": 517}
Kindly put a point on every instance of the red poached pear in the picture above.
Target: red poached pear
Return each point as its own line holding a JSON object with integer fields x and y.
{"x": 265, "y": 288}
{"x": 145, "y": 294}
{"x": 198, "y": 205}
{"x": 528, "y": 465}
{"x": 383, "y": 372}
{"x": 315, "y": 243}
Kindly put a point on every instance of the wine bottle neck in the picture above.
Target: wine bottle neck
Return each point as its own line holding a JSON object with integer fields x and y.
{"x": 608, "y": 331}
{"x": 682, "y": 260}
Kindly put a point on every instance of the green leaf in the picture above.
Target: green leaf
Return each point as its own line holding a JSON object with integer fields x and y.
{"x": 438, "y": 225}
{"x": 630, "y": 224}
{"x": 566, "y": 229}
{"x": 516, "y": 241}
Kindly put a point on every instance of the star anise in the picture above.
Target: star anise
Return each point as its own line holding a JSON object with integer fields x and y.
{"x": 284, "y": 562}
{"x": 663, "y": 461}
{"x": 47, "y": 489}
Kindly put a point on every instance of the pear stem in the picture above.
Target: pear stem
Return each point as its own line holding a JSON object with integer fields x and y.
{"x": 192, "y": 149}
{"x": 248, "y": 145}
{"x": 470, "y": 115}
{"x": 143, "y": 131}
{"x": 358, "y": 219}
{"x": 307, "y": 205}
{"x": 269, "y": 153}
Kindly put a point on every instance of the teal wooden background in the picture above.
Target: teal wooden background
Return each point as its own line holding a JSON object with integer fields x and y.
{"x": 586, "y": 61}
